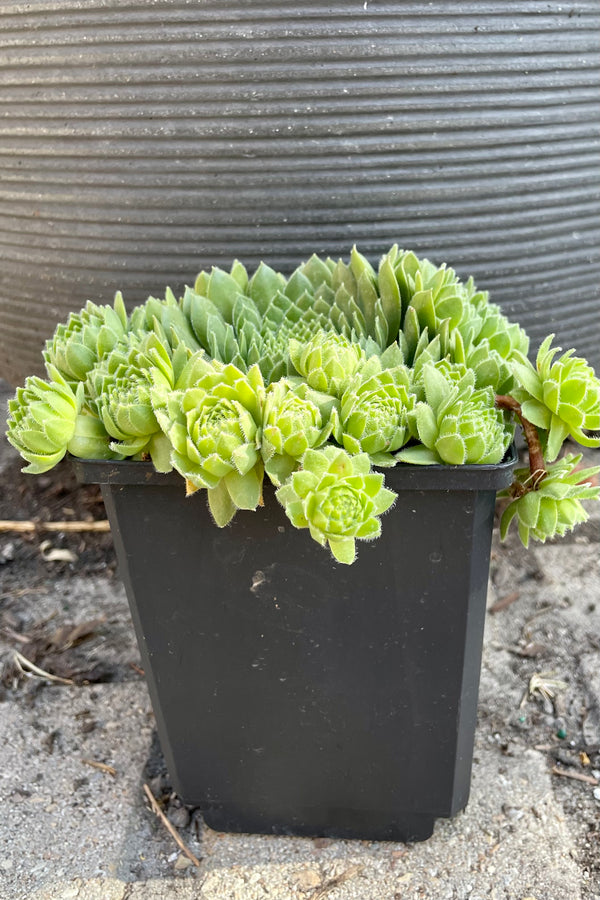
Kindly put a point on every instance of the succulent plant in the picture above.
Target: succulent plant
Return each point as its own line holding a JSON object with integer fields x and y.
{"x": 213, "y": 420}
{"x": 47, "y": 419}
{"x": 561, "y": 396}
{"x": 373, "y": 415}
{"x": 327, "y": 362}
{"x": 338, "y": 498}
{"x": 253, "y": 327}
{"x": 119, "y": 388}
{"x": 295, "y": 419}
{"x": 457, "y": 425}
{"x": 553, "y": 506}
{"x": 166, "y": 319}
{"x": 312, "y": 378}
{"x": 457, "y": 374}
{"x": 86, "y": 337}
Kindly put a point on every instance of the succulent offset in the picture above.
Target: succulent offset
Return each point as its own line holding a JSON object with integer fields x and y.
{"x": 457, "y": 424}
{"x": 374, "y": 415}
{"x": 313, "y": 379}
{"x": 562, "y": 397}
{"x": 119, "y": 388}
{"x": 555, "y": 506}
{"x": 47, "y": 419}
{"x": 338, "y": 498}
{"x": 212, "y": 418}
{"x": 86, "y": 337}
{"x": 295, "y": 419}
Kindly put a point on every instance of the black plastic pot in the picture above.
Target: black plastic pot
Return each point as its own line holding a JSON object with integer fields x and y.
{"x": 295, "y": 695}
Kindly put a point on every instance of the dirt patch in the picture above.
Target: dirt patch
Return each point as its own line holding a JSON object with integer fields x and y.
{"x": 55, "y": 613}
{"x": 540, "y": 684}
{"x": 26, "y": 560}
{"x": 540, "y": 688}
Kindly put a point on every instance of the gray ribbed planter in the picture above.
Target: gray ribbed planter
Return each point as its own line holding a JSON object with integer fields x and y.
{"x": 140, "y": 142}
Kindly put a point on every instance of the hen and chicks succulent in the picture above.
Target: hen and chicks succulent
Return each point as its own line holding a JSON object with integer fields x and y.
{"x": 314, "y": 380}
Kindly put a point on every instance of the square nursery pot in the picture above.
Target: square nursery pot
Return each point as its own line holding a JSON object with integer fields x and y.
{"x": 295, "y": 695}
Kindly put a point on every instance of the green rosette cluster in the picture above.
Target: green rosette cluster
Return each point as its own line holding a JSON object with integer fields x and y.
{"x": 119, "y": 387}
{"x": 554, "y": 507}
{"x": 213, "y": 421}
{"x": 249, "y": 320}
{"x": 47, "y": 419}
{"x": 295, "y": 419}
{"x": 327, "y": 362}
{"x": 87, "y": 337}
{"x": 457, "y": 425}
{"x": 561, "y": 397}
{"x": 249, "y": 373}
{"x": 338, "y": 498}
{"x": 374, "y": 415}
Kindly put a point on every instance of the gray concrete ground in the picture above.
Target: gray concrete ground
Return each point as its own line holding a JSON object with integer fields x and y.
{"x": 72, "y": 830}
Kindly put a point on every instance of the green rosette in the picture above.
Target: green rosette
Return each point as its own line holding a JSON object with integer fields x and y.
{"x": 327, "y": 361}
{"x": 119, "y": 386}
{"x": 562, "y": 397}
{"x": 374, "y": 415}
{"x": 47, "y": 419}
{"x": 554, "y": 506}
{"x": 295, "y": 419}
{"x": 213, "y": 421}
{"x": 457, "y": 425}
{"x": 86, "y": 337}
{"x": 338, "y": 498}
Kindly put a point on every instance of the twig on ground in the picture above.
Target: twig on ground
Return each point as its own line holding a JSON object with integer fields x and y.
{"x": 137, "y": 669}
{"x": 578, "y": 776}
{"x": 29, "y": 668}
{"x": 31, "y": 526}
{"x": 110, "y": 770}
{"x": 15, "y": 635}
{"x": 504, "y": 602}
{"x": 172, "y": 831}
{"x": 349, "y": 873}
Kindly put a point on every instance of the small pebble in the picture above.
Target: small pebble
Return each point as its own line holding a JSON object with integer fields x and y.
{"x": 597, "y": 793}
{"x": 7, "y": 553}
{"x": 157, "y": 785}
{"x": 179, "y": 816}
{"x": 308, "y": 879}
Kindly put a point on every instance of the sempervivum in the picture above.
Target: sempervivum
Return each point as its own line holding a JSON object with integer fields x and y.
{"x": 457, "y": 425}
{"x": 373, "y": 415}
{"x": 338, "y": 498}
{"x": 119, "y": 388}
{"x": 560, "y": 396}
{"x": 86, "y": 337}
{"x": 47, "y": 419}
{"x": 213, "y": 421}
{"x": 554, "y": 506}
{"x": 327, "y": 362}
{"x": 295, "y": 419}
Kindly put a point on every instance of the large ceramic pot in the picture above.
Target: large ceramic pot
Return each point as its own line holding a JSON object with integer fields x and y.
{"x": 141, "y": 142}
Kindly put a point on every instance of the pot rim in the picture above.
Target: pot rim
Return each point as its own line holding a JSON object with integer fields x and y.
{"x": 401, "y": 477}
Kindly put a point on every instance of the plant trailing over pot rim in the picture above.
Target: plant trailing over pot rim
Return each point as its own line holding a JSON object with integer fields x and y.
{"x": 313, "y": 380}
{"x": 276, "y": 673}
